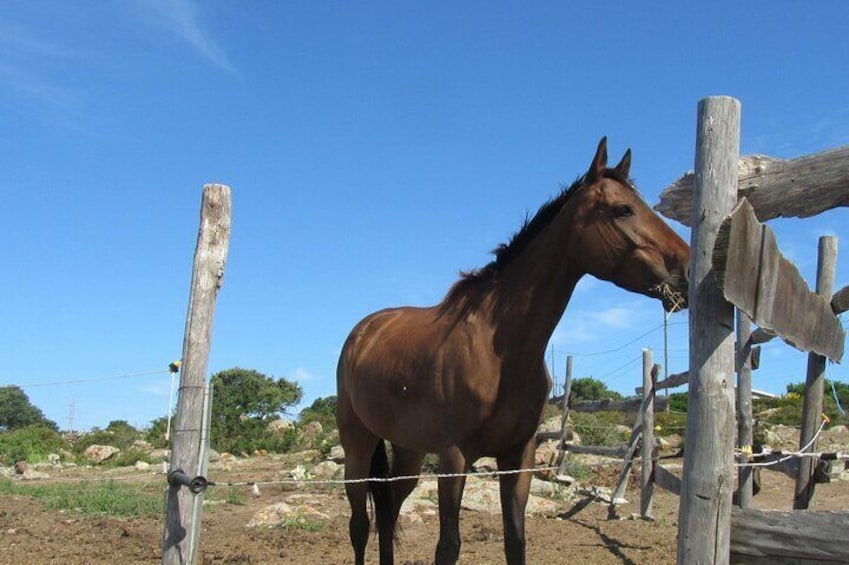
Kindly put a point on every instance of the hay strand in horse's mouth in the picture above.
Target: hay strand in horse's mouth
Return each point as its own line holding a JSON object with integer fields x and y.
{"x": 676, "y": 300}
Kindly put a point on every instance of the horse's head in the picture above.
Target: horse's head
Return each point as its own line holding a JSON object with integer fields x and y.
{"x": 622, "y": 240}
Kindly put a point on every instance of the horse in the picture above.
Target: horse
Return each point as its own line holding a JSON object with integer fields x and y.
{"x": 466, "y": 378}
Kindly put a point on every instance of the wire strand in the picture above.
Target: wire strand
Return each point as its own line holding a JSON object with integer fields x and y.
{"x": 89, "y": 380}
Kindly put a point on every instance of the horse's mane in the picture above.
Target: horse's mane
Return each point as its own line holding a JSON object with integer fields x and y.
{"x": 531, "y": 227}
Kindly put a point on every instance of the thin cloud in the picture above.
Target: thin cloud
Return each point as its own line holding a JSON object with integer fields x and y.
{"x": 182, "y": 18}
{"x": 23, "y": 53}
{"x": 302, "y": 375}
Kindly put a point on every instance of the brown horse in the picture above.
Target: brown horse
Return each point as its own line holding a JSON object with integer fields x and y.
{"x": 466, "y": 378}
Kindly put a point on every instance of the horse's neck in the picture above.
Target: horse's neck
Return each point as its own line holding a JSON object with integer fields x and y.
{"x": 534, "y": 289}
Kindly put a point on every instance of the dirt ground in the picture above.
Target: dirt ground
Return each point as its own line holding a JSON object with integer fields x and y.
{"x": 579, "y": 531}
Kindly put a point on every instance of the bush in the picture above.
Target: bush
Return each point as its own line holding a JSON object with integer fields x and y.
{"x": 599, "y": 428}
{"x": 31, "y": 444}
{"x": 117, "y": 434}
{"x": 588, "y": 388}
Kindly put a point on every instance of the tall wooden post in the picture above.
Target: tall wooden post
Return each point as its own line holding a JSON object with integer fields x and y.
{"x": 815, "y": 380}
{"x": 745, "y": 432}
{"x": 182, "y": 519}
{"x": 705, "y": 506}
{"x": 647, "y": 470}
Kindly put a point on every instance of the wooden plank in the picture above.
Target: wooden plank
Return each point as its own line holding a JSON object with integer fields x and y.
{"x": 608, "y": 405}
{"x": 745, "y": 421}
{"x": 666, "y": 480}
{"x": 801, "y": 187}
{"x": 789, "y": 537}
{"x": 706, "y": 491}
{"x": 182, "y": 525}
{"x": 760, "y": 281}
{"x": 840, "y": 301}
{"x": 671, "y": 381}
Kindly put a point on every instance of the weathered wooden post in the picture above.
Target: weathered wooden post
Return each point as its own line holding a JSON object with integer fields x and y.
{"x": 745, "y": 432}
{"x": 182, "y": 519}
{"x": 815, "y": 380}
{"x": 567, "y": 390}
{"x": 705, "y": 505}
{"x": 647, "y": 470}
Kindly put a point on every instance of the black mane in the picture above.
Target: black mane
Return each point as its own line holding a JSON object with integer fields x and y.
{"x": 531, "y": 227}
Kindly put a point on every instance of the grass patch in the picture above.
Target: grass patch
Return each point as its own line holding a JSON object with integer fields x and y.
{"x": 107, "y": 498}
{"x": 301, "y": 522}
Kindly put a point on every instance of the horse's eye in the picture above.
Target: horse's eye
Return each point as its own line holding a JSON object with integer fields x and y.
{"x": 622, "y": 211}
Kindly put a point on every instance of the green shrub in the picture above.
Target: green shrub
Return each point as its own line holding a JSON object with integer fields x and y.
{"x": 599, "y": 428}
{"x": 117, "y": 434}
{"x": 588, "y": 388}
{"x": 678, "y": 402}
{"x": 31, "y": 444}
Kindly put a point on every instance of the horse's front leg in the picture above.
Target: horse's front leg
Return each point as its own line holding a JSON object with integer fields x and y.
{"x": 451, "y": 461}
{"x": 514, "y": 497}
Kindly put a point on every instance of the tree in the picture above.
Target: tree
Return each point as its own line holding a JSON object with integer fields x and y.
{"x": 322, "y": 410}
{"x": 244, "y": 403}
{"x": 588, "y": 388}
{"x": 16, "y": 411}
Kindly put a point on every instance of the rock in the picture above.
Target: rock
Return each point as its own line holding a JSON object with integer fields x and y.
{"x": 99, "y": 453}
{"x": 771, "y": 438}
{"x": 328, "y": 470}
{"x": 214, "y": 456}
{"x": 142, "y": 445}
{"x": 30, "y": 475}
{"x": 54, "y": 458}
{"x": 551, "y": 424}
{"x": 310, "y": 433}
{"x": 485, "y": 465}
{"x": 141, "y": 466}
{"x": 546, "y": 454}
{"x": 280, "y": 425}
{"x": 337, "y": 454}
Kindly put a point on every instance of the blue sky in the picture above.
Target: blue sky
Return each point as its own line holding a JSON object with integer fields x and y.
{"x": 374, "y": 150}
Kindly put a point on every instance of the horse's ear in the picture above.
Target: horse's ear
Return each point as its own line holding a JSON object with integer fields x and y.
{"x": 624, "y": 166}
{"x": 599, "y": 163}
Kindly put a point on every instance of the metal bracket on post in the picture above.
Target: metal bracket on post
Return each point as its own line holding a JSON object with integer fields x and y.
{"x": 178, "y": 478}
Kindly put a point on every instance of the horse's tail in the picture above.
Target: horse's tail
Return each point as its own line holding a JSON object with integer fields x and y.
{"x": 381, "y": 491}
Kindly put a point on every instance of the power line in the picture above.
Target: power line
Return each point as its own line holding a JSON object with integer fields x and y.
{"x": 89, "y": 380}
{"x": 626, "y": 344}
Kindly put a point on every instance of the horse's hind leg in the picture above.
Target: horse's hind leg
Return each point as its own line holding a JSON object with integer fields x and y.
{"x": 405, "y": 463}
{"x": 451, "y": 461}
{"x": 359, "y": 445}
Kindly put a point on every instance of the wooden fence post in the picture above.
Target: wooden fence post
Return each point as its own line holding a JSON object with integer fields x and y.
{"x": 814, "y": 381}
{"x": 182, "y": 519}
{"x": 705, "y": 506}
{"x": 567, "y": 390}
{"x": 745, "y": 433}
{"x": 647, "y": 451}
